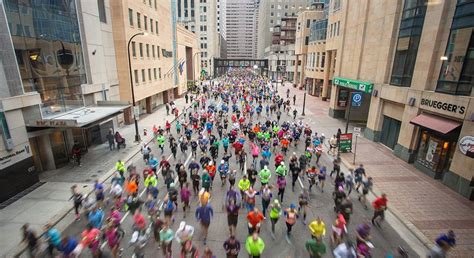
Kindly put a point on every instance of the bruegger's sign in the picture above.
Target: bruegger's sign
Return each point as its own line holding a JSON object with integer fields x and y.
{"x": 440, "y": 105}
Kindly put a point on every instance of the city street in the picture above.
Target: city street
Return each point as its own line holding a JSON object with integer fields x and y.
{"x": 385, "y": 239}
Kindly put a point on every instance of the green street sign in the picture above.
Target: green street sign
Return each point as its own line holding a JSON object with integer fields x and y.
{"x": 345, "y": 142}
{"x": 365, "y": 87}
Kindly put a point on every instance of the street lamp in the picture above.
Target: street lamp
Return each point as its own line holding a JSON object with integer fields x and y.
{"x": 137, "y": 134}
{"x": 304, "y": 100}
{"x": 194, "y": 56}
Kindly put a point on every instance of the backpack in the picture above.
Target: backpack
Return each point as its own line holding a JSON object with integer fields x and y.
{"x": 169, "y": 206}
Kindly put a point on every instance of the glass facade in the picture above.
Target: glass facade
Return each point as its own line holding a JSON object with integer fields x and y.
{"x": 318, "y": 30}
{"x": 457, "y": 72}
{"x": 435, "y": 151}
{"x": 48, "y": 51}
{"x": 411, "y": 26}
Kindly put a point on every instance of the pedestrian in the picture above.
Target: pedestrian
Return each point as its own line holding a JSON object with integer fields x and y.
{"x": 53, "y": 238}
{"x": 367, "y": 186}
{"x": 315, "y": 247}
{"x": 380, "y": 205}
{"x": 281, "y": 183}
{"x": 31, "y": 240}
{"x": 266, "y": 194}
{"x": 167, "y": 106}
{"x": 111, "y": 139}
{"x": 250, "y": 195}
{"x": 303, "y": 201}
{"x": 204, "y": 215}
{"x": 295, "y": 112}
{"x": 232, "y": 206}
{"x": 186, "y": 97}
{"x": 254, "y": 245}
{"x": 291, "y": 215}
{"x": 166, "y": 236}
{"x": 77, "y": 200}
{"x": 254, "y": 218}
{"x": 184, "y": 233}
{"x": 349, "y": 182}
{"x": 232, "y": 247}
{"x": 294, "y": 99}
{"x": 185, "y": 194}
{"x": 113, "y": 239}
{"x": 345, "y": 250}
{"x": 359, "y": 174}
{"x": 96, "y": 217}
{"x": 317, "y": 228}
{"x": 275, "y": 212}
{"x": 189, "y": 250}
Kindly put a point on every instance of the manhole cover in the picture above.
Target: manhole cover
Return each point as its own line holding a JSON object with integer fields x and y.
{"x": 94, "y": 176}
{"x": 88, "y": 180}
{"x": 99, "y": 171}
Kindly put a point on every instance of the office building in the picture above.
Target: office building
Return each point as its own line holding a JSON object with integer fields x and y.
{"x": 270, "y": 14}
{"x": 58, "y": 62}
{"x": 412, "y": 63}
{"x": 310, "y": 49}
{"x": 155, "y": 61}
{"x": 202, "y": 17}
{"x": 239, "y": 20}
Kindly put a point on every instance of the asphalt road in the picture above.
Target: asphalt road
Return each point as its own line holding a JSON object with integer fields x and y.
{"x": 385, "y": 239}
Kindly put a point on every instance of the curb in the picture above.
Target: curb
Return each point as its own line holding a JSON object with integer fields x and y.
{"x": 410, "y": 226}
{"x": 58, "y": 217}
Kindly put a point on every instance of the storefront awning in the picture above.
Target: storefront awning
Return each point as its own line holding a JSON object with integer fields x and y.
{"x": 435, "y": 123}
{"x": 79, "y": 118}
{"x": 365, "y": 87}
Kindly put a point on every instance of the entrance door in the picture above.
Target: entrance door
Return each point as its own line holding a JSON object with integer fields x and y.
{"x": 390, "y": 132}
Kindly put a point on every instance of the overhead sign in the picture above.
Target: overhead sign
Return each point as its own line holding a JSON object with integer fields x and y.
{"x": 365, "y": 87}
{"x": 53, "y": 123}
{"x": 356, "y": 99}
{"x": 345, "y": 142}
{"x": 466, "y": 145}
{"x": 357, "y": 129}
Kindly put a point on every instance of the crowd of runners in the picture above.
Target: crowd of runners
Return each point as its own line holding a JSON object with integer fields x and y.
{"x": 238, "y": 118}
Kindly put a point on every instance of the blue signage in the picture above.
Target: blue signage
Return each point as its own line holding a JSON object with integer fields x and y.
{"x": 356, "y": 99}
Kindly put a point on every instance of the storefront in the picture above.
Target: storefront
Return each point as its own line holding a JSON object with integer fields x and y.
{"x": 52, "y": 139}
{"x": 342, "y": 101}
{"x": 437, "y": 142}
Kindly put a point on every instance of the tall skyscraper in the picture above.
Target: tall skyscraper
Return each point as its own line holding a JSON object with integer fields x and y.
{"x": 270, "y": 14}
{"x": 202, "y": 18}
{"x": 239, "y": 27}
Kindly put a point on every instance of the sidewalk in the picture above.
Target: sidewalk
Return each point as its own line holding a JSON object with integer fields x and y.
{"x": 425, "y": 205}
{"x": 50, "y": 201}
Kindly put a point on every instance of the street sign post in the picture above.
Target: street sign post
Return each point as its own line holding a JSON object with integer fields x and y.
{"x": 355, "y": 100}
{"x": 345, "y": 143}
{"x": 355, "y": 148}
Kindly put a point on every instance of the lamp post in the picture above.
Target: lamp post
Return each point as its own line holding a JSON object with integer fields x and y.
{"x": 137, "y": 134}
{"x": 277, "y": 69}
{"x": 304, "y": 100}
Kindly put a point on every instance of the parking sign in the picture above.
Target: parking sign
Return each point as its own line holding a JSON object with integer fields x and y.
{"x": 356, "y": 99}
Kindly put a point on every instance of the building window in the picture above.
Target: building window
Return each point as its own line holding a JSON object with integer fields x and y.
{"x": 158, "y": 51}
{"x": 102, "y": 14}
{"x": 155, "y": 5}
{"x": 143, "y": 75}
{"x": 139, "y": 23}
{"x": 179, "y": 8}
{"x": 134, "y": 51}
{"x": 156, "y": 27}
{"x": 130, "y": 17}
{"x": 153, "y": 50}
{"x": 411, "y": 25}
{"x": 135, "y": 74}
{"x": 149, "y": 2}
{"x": 140, "y": 47}
{"x": 457, "y": 72}
{"x": 145, "y": 22}
{"x": 159, "y": 73}
{"x": 154, "y": 73}
{"x": 308, "y": 22}
{"x": 151, "y": 25}
{"x": 149, "y": 74}
{"x": 323, "y": 59}
{"x": 306, "y": 40}
{"x": 147, "y": 50}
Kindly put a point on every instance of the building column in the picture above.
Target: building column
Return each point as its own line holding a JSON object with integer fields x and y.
{"x": 327, "y": 72}
{"x": 45, "y": 152}
{"x": 295, "y": 75}
{"x": 303, "y": 63}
